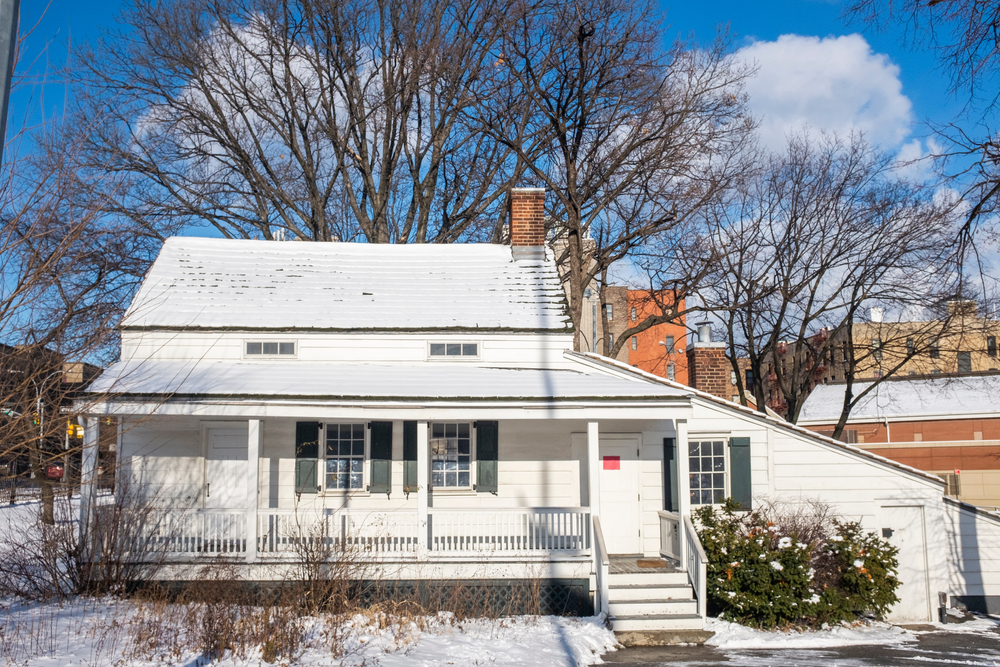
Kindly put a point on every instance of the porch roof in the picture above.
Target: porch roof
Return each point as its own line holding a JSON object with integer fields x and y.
{"x": 446, "y": 382}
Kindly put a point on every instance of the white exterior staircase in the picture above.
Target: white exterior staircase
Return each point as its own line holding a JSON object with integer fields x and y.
{"x": 652, "y": 601}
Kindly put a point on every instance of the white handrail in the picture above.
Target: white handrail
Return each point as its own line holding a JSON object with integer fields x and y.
{"x": 670, "y": 525}
{"x": 601, "y": 566}
{"x": 697, "y": 566}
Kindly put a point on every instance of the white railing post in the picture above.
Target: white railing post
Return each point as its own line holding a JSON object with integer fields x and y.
{"x": 423, "y": 481}
{"x": 601, "y": 569}
{"x": 88, "y": 474}
{"x": 683, "y": 487}
{"x": 593, "y": 467}
{"x": 253, "y": 486}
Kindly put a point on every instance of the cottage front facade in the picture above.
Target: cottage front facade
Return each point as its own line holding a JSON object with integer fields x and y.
{"x": 423, "y": 406}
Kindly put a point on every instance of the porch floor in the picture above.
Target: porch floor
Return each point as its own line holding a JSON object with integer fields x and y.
{"x": 638, "y": 564}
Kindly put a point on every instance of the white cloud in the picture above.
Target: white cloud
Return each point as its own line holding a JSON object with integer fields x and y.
{"x": 836, "y": 84}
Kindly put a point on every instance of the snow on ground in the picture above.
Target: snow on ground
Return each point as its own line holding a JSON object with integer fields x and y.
{"x": 108, "y": 633}
{"x": 733, "y": 636}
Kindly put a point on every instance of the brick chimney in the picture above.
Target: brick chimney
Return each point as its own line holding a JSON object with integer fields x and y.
{"x": 527, "y": 219}
{"x": 708, "y": 368}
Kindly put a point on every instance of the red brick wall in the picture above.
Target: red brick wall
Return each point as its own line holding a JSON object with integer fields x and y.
{"x": 940, "y": 430}
{"x": 709, "y": 371}
{"x": 972, "y": 457}
{"x": 649, "y": 355}
{"x": 527, "y": 217}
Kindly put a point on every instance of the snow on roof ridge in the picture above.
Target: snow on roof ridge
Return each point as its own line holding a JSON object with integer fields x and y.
{"x": 211, "y": 283}
{"x": 775, "y": 420}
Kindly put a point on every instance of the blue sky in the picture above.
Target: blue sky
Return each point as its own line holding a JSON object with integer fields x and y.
{"x": 815, "y": 68}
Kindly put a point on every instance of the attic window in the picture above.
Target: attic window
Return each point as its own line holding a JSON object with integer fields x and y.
{"x": 454, "y": 350}
{"x": 270, "y": 349}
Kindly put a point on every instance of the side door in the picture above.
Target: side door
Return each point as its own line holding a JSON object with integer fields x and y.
{"x": 226, "y": 453}
{"x": 618, "y": 469}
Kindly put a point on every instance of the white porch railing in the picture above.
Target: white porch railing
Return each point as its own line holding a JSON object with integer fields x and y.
{"x": 514, "y": 531}
{"x": 541, "y": 532}
{"x": 670, "y": 535}
{"x": 193, "y": 532}
{"x": 697, "y": 565}
{"x": 316, "y": 531}
{"x": 602, "y": 567}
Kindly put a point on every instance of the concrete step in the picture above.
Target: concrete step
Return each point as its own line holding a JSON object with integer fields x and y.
{"x": 634, "y": 608}
{"x": 657, "y": 622}
{"x": 669, "y": 592}
{"x": 648, "y": 579}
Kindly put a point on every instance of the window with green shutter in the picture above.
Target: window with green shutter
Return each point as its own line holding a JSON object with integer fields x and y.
{"x": 410, "y": 482}
{"x": 670, "y": 499}
{"x": 380, "y": 450}
{"x": 306, "y": 457}
{"x": 487, "y": 456}
{"x": 740, "y": 484}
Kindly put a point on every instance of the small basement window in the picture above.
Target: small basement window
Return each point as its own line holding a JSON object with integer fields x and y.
{"x": 454, "y": 350}
{"x": 270, "y": 348}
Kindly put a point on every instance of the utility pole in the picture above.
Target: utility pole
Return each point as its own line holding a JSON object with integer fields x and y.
{"x": 9, "y": 11}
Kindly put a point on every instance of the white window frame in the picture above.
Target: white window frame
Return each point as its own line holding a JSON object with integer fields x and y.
{"x": 365, "y": 431}
{"x": 247, "y": 355}
{"x": 455, "y": 358}
{"x": 472, "y": 458}
{"x": 725, "y": 461}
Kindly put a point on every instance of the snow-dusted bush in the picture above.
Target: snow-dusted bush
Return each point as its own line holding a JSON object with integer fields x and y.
{"x": 777, "y": 567}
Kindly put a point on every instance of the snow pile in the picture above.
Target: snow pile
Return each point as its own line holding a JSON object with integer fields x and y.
{"x": 107, "y": 633}
{"x": 733, "y": 636}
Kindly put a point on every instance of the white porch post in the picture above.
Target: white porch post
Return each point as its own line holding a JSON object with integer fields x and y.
{"x": 88, "y": 477}
{"x": 683, "y": 487}
{"x": 423, "y": 480}
{"x": 253, "y": 485}
{"x": 593, "y": 468}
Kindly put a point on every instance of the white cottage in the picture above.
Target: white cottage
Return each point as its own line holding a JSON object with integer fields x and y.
{"x": 424, "y": 402}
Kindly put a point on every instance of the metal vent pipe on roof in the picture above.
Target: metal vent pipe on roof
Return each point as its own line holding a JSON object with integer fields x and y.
{"x": 704, "y": 332}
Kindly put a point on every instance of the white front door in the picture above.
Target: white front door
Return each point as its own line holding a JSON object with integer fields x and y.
{"x": 226, "y": 469}
{"x": 903, "y": 526}
{"x": 618, "y": 469}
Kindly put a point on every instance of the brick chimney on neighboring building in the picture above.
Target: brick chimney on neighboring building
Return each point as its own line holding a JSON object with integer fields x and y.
{"x": 708, "y": 368}
{"x": 527, "y": 220}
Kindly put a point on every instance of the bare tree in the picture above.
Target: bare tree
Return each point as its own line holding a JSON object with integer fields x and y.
{"x": 313, "y": 120}
{"x": 810, "y": 242}
{"x": 963, "y": 33}
{"x": 627, "y": 137}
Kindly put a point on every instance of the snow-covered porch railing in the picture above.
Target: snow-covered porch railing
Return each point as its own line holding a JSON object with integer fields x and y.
{"x": 282, "y": 534}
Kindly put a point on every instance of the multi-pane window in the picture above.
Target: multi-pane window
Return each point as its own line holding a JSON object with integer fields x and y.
{"x": 611, "y": 312}
{"x": 991, "y": 346}
{"x": 270, "y": 348}
{"x": 345, "y": 455}
{"x": 635, "y": 342}
{"x": 935, "y": 351}
{"x": 877, "y": 349}
{"x": 451, "y": 454}
{"x": 707, "y": 465}
{"x": 671, "y": 371}
{"x": 964, "y": 362}
{"x": 633, "y": 313}
{"x": 455, "y": 350}
{"x": 910, "y": 347}
{"x": 668, "y": 342}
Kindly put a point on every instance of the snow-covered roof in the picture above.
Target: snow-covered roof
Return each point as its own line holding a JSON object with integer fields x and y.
{"x": 452, "y": 382}
{"x": 922, "y": 398}
{"x": 239, "y": 284}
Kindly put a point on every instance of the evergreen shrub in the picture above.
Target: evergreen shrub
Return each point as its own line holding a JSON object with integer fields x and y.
{"x": 773, "y": 567}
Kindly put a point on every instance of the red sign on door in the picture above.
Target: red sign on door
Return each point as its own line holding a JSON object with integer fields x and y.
{"x": 612, "y": 463}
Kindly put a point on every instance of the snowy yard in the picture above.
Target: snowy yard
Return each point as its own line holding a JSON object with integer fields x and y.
{"x": 102, "y": 633}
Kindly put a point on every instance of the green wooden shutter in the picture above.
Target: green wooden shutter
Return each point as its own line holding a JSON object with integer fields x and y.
{"x": 410, "y": 456}
{"x": 381, "y": 457}
{"x": 670, "y": 475}
{"x": 740, "y": 485}
{"x": 306, "y": 457}
{"x": 487, "y": 454}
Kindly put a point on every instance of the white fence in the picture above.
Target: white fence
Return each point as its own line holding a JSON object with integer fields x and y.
{"x": 519, "y": 531}
{"x": 697, "y": 565}
{"x": 305, "y": 532}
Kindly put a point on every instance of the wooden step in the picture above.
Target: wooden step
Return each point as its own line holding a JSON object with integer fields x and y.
{"x": 650, "y": 592}
{"x": 631, "y": 608}
{"x": 657, "y": 622}
{"x": 648, "y": 579}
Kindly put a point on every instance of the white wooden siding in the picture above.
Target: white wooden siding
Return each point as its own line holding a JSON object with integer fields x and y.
{"x": 973, "y": 551}
{"x": 510, "y": 350}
